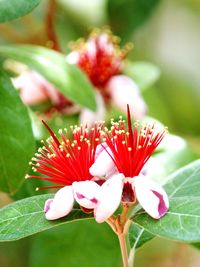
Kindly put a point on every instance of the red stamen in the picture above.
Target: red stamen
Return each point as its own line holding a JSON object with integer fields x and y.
{"x": 132, "y": 146}
{"x": 100, "y": 57}
{"x": 68, "y": 160}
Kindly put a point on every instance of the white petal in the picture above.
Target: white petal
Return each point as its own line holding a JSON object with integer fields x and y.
{"x": 73, "y": 57}
{"x": 111, "y": 172}
{"x": 100, "y": 148}
{"x": 91, "y": 49}
{"x": 89, "y": 117}
{"x": 151, "y": 196}
{"x": 60, "y": 205}
{"x": 149, "y": 168}
{"x": 125, "y": 91}
{"x": 103, "y": 41}
{"x": 30, "y": 87}
{"x": 86, "y": 193}
{"x": 103, "y": 164}
{"x": 50, "y": 91}
{"x": 110, "y": 198}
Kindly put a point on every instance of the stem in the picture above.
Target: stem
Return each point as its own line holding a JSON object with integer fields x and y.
{"x": 50, "y": 17}
{"x": 120, "y": 226}
{"x": 123, "y": 247}
{"x": 132, "y": 251}
{"x": 131, "y": 257}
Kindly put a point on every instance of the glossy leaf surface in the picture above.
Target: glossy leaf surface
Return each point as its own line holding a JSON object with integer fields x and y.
{"x": 17, "y": 144}
{"x": 66, "y": 78}
{"x": 182, "y": 221}
{"x": 26, "y": 217}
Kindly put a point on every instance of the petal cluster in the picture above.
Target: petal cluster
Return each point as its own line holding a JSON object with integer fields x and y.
{"x": 101, "y": 200}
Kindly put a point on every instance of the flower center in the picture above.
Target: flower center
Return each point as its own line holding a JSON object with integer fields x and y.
{"x": 128, "y": 195}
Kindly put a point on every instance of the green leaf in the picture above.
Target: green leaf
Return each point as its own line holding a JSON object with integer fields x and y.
{"x": 17, "y": 144}
{"x": 182, "y": 221}
{"x": 26, "y": 217}
{"x": 172, "y": 155}
{"x": 67, "y": 78}
{"x": 85, "y": 242}
{"x": 196, "y": 245}
{"x": 143, "y": 73}
{"x": 126, "y": 15}
{"x": 138, "y": 236}
{"x": 13, "y": 9}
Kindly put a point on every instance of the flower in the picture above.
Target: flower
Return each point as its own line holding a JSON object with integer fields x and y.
{"x": 99, "y": 57}
{"x": 35, "y": 89}
{"x": 101, "y": 168}
{"x": 124, "y": 153}
{"x": 67, "y": 164}
{"x": 102, "y": 60}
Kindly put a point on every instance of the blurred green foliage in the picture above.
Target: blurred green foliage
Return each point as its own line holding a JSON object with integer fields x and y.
{"x": 12, "y": 9}
{"x": 125, "y": 16}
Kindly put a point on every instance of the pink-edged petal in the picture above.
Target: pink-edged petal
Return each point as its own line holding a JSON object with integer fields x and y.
{"x": 123, "y": 91}
{"x": 86, "y": 193}
{"x": 103, "y": 164}
{"x": 30, "y": 88}
{"x": 110, "y": 198}
{"x": 89, "y": 117}
{"x": 151, "y": 196}
{"x": 60, "y": 205}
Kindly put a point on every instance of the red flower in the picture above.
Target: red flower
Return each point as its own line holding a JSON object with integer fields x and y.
{"x": 129, "y": 148}
{"x": 126, "y": 151}
{"x": 100, "y": 57}
{"x": 102, "y": 60}
{"x": 132, "y": 147}
{"x": 68, "y": 160}
{"x": 67, "y": 163}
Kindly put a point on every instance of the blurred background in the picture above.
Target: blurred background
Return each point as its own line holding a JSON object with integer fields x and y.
{"x": 165, "y": 33}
